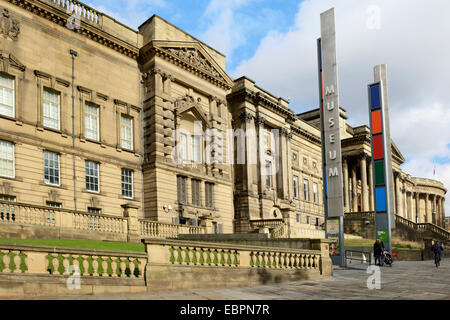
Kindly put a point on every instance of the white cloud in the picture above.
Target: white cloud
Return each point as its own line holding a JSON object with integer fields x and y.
{"x": 412, "y": 41}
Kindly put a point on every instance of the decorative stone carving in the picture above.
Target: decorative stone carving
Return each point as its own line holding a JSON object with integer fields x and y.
{"x": 187, "y": 102}
{"x": 245, "y": 116}
{"x": 9, "y": 27}
{"x": 193, "y": 57}
{"x": 259, "y": 121}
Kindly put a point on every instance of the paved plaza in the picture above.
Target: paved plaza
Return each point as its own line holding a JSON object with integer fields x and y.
{"x": 405, "y": 280}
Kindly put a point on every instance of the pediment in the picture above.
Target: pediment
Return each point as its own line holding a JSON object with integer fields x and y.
{"x": 396, "y": 152}
{"x": 197, "y": 60}
{"x": 9, "y": 60}
{"x": 188, "y": 103}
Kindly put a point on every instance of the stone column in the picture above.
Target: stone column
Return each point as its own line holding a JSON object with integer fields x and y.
{"x": 259, "y": 126}
{"x": 371, "y": 193}
{"x": 427, "y": 217}
{"x": 411, "y": 204}
{"x": 354, "y": 193}
{"x": 364, "y": 195}
{"x": 398, "y": 191}
{"x": 433, "y": 209}
{"x": 417, "y": 219}
{"x": 405, "y": 201}
{"x": 346, "y": 193}
{"x": 443, "y": 211}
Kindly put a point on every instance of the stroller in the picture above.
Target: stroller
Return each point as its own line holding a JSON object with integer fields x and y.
{"x": 386, "y": 258}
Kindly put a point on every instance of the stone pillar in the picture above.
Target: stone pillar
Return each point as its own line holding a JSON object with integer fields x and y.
{"x": 427, "y": 216}
{"x": 417, "y": 219}
{"x": 354, "y": 193}
{"x": 326, "y": 265}
{"x": 398, "y": 191}
{"x": 282, "y": 174}
{"x": 364, "y": 195}
{"x": 346, "y": 193}
{"x": 130, "y": 211}
{"x": 371, "y": 192}
{"x": 411, "y": 204}
{"x": 443, "y": 211}
{"x": 259, "y": 126}
{"x": 433, "y": 209}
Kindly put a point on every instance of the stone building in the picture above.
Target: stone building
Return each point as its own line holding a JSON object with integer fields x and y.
{"x": 97, "y": 118}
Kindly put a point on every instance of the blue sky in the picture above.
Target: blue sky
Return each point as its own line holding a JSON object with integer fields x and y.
{"x": 254, "y": 17}
{"x": 274, "y": 43}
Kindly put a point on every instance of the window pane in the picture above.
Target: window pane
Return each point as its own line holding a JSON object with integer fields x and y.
{"x": 268, "y": 173}
{"x": 127, "y": 132}
{"x": 127, "y": 183}
{"x": 295, "y": 186}
{"x": 91, "y": 121}
{"x": 7, "y": 99}
{"x": 51, "y": 109}
{"x": 6, "y": 159}
{"x": 181, "y": 188}
{"x": 51, "y": 168}
{"x": 306, "y": 189}
{"x": 92, "y": 176}
{"x": 183, "y": 147}
{"x": 197, "y": 149}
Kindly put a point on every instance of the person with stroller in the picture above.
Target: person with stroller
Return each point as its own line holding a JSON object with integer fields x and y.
{"x": 378, "y": 249}
{"x": 437, "y": 250}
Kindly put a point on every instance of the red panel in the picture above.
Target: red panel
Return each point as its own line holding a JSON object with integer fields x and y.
{"x": 376, "y": 122}
{"x": 378, "y": 152}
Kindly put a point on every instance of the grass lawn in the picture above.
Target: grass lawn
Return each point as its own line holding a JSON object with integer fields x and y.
{"x": 370, "y": 242}
{"x": 81, "y": 244}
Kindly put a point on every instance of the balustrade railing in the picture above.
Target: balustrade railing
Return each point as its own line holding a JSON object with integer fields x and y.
{"x": 29, "y": 259}
{"x": 80, "y": 9}
{"x": 19, "y": 213}
{"x": 173, "y": 252}
{"x": 155, "y": 229}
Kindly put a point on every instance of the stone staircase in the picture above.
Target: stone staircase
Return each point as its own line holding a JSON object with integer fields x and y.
{"x": 404, "y": 228}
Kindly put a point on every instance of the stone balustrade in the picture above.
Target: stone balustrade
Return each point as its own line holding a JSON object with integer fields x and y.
{"x": 27, "y": 259}
{"x": 176, "y": 252}
{"x": 80, "y": 9}
{"x": 155, "y": 229}
{"x": 26, "y": 214}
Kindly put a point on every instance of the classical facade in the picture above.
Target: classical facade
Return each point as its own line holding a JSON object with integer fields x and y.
{"x": 416, "y": 199}
{"x": 96, "y": 117}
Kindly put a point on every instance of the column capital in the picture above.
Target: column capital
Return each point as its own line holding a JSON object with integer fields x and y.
{"x": 259, "y": 120}
{"x": 363, "y": 155}
{"x": 245, "y": 116}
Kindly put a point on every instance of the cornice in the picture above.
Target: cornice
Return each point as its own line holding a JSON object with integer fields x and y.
{"x": 309, "y": 136}
{"x": 60, "y": 17}
{"x": 258, "y": 98}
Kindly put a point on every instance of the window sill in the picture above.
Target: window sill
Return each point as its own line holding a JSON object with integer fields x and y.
{"x": 93, "y": 192}
{"x": 60, "y": 186}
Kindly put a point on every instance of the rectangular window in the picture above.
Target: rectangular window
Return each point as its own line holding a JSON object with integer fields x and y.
{"x": 268, "y": 174}
{"x": 196, "y": 200}
{"x": 181, "y": 188}
{"x": 94, "y": 210}
{"x": 7, "y": 159}
{"x": 306, "y": 190}
{"x": 317, "y": 222}
{"x": 4, "y": 197}
{"x": 52, "y": 204}
{"x": 7, "y": 98}
{"x": 308, "y": 220}
{"x": 197, "y": 149}
{"x": 209, "y": 194}
{"x": 51, "y": 168}
{"x": 127, "y": 183}
{"x": 214, "y": 228}
{"x": 298, "y": 218}
{"x": 52, "y": 109}
{"x": 316, "y": 195}
{"x": 91, "y": 121}
{"x": 92, "y": 176}
{"x": 127, "y": 132}
{"x": 296, "y": 193}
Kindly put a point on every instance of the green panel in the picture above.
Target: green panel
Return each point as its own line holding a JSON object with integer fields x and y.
{"x": 379, "y": 173}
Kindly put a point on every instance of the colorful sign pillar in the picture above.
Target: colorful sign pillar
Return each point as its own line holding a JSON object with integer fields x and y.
{"x": 331, "y": 137}
{"x": 381, "y": 156}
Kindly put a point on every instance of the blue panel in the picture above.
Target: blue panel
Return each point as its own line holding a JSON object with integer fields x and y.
{"x": 375, "y": 97}
{"x": 381, "y": 199}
